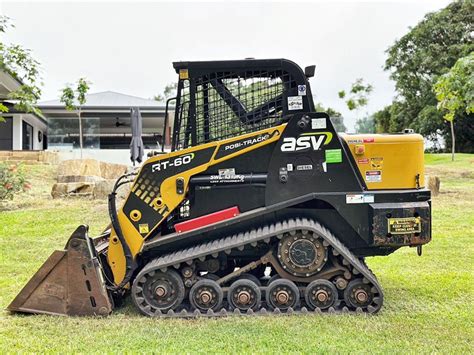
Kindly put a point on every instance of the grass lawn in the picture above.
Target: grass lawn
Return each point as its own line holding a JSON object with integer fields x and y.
{"x": 429, "y": 300}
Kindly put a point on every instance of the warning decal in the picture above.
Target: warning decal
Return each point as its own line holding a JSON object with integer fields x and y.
{"x": 295, "y": 103}
{"x": 373, "y": 176}
{"x": 376, "y": 163}
{"x": 404, "y": 225}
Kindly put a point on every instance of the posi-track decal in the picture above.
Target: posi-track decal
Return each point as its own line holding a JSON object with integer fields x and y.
{"x": 230, "y": 148}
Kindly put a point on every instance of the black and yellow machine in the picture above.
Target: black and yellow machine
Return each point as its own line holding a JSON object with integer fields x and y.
{"x": 261, "y": 206}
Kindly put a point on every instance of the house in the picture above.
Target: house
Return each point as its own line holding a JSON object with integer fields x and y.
{"x": 106, "y": 128}
{"x": 20, "y": 131}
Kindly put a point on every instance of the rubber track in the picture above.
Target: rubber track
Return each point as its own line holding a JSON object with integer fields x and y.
{"x": 253, "y": 236}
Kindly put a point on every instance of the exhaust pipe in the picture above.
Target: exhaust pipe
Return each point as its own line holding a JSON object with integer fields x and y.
{"x": 71, "y": 282}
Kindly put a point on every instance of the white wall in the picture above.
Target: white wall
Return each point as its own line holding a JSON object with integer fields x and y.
{"x": 18, "y": 131}
{"x": 118, "y": 156}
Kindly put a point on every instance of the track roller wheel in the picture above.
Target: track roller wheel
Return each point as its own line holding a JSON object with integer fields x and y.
{"x": 212, "y": 277}
{"x": 320, "y": 294}
{"x": 244, "y": 294}
{"x": 206, "y": 295}
{"x": 273, "y": 278}
{"x": 246, "y": 276}
{"x": 358, "y": 294}
{"x": 156, "y": 291}
{"x": 282, "y": 294}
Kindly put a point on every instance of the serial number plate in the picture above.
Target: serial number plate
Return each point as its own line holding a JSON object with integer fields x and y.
{"x": 404, "y": 225}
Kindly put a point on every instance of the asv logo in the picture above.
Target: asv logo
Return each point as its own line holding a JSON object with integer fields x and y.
{"x": 181, "y": 160}
{"x": 306, "y": 141}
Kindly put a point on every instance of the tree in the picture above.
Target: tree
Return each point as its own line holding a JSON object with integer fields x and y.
{"x": 168, "y": 92}
{"x": 356, "y": 99}
{"x": 417, "y": 60}
{"x": 335, "y": 116}
{"x": 19, "y": 63}
{"x": 455, "y": 92}
{"x": 365, "y": 125}
{"x": 74, "y": 99}
{"x": 358, "y": 96}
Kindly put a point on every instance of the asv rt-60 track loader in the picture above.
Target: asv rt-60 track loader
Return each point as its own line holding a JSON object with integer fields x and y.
{"x": 261, "y": 205}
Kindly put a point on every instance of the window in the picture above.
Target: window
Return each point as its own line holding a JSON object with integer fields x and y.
{"x": 27, "y": 136}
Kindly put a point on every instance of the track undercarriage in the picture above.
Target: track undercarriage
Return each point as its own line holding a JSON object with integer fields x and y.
{"x": 311, "y": 272}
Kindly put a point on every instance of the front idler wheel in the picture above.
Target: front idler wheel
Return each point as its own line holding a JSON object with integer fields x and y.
{"x": 282, "y": 294}
{"x": 244, "y": 294}
{"x": 320, "y": 294}
{"x": 157, "y": 291}
{"x": 206, "y": 295}
{"x": 358, "y": 294}
{"x": 303, "y": 254}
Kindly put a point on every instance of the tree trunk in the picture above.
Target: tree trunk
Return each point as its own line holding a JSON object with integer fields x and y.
{"x": 453, "y": 146}
{"x": 80, "y": 131}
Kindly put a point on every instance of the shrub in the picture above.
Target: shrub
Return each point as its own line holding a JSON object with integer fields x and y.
{"x": 12, "y": 181}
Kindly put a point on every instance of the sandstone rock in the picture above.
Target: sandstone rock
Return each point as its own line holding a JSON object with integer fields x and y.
{"x": 79, "y": 167}
{"x": 48, "y": 157}
{"x": 73, "y": 188}
{"x": 88, "y": 177}
{"x": 112, "y": 171}
{"x": 78, "y": 178}
{"x": 91, "y": 167}
{"x": 103, "y": 188}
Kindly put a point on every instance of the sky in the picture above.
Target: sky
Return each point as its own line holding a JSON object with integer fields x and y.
{"x": 129, "y": 47}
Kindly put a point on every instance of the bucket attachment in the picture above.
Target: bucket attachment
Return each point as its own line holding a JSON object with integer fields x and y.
{"x": 70, "y": 282}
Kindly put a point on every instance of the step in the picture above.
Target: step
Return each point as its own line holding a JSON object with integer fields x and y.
{"x": 24, "y": 162}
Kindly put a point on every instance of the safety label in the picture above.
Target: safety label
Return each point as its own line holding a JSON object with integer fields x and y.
{"x": 318, "y": 123}
{"x": 143, "y": 228}
{"x": 359, "y": 198}
{"x": 404, "y": 225}
{"x": 376, "y": 163}
{"x": 373, "y": 176}
{"x": 363, "y": 161}
{"x": 301, "y": 90}
{"x": 226, "y": 173}
{"x": 295, "y": 103}
{"x": 333, "y": 156}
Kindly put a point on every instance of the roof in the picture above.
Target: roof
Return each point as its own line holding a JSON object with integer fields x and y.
{"x": 109, "y": 99}
{"x": 12, "y": 111}
{"x": 8, "y": 83}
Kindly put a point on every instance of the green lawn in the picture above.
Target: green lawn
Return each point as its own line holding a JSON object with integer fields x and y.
{"x": 428, "y": 307}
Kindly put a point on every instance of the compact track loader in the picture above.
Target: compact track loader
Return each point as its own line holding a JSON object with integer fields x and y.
{"x": 260, "y": 207}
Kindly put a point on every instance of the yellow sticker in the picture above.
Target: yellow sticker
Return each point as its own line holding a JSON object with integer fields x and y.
{"x": 143, "y": 228}
{"x": 183, "y": 74}
{"x": 376, "y": 163}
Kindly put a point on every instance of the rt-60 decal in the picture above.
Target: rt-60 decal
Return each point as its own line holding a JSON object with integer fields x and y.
{"x": 178, "y": 161}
